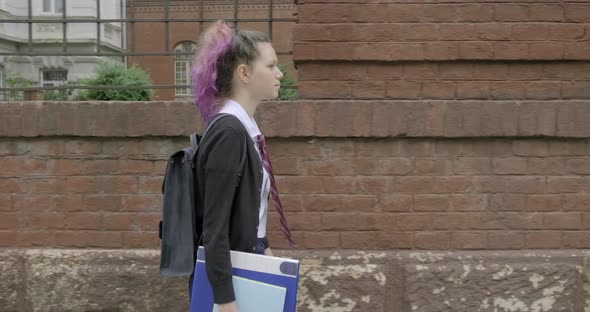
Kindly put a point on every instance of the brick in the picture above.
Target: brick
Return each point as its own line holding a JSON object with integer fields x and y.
{"x": 35, "y": 203}
{"x": 321, "y": 240}
{"x": 576, "y": 50}
{"x": 414, "y": 221}
{"x": 468, "y": 202}
{"x": 439, "y": 90}
{"x": 510, "y": 51}
{"x": 471, "y": 165}
{"x": 82, "y": 184}
{"x": 308, "y": 221}
{"x": 348, "y": 221}
{"x": 383, "y": 71}
{"x": 576, "y": 202}
{"x": 35, "y": 238}
{"x": 6, "y": 202}
{"x": 506, "y": 240}
{"x": 577, "y": 13}
{"x": 116, "y": 184}
{"x": 134, "y": 166}
{"x": 528, "y": 185}
{"x": 372, "y": 185}
{"x": 396, "y": 202}
{"x": 69, "y": 203}
{"x": 83, "y": 221}
{"x": 472, "y": 12}
{"x": 432, "y": 240}
{"x": 507, "y": 202}
{"x": 394, "y": 240}
{"x": 543, "y": 240}
{"x": 423, "y": 203}
{"x": 507, "y": 90}
{"x": 433, "y": 166}
{"x": 108, "y": 239}
{"x": 8, "y": 220}
{"x": 546, "y": 12}
{"x": 10, "y": 185}
{"x": 359, "y": 240}
{"x": 120, "y": 222}
{"x": 476, "y": 50}
{"x": 509, "y": 165}
{"x": 579, "y": 166}
{"x": 527, "y": 71}
{"x": 8, "y": 239}
{"x": 441, "y": 51}
{"x": 42, "y": 220}
{"x": 145, "y": 203}
{"x": 324, "y": 90}
{"x": 359, "y": 203}
{"x": 575, "y": 90}
{"x": 101, "y": 166}
{"x": 489, "y": 184}
{"x": 403, "y": 90}
{"x": 70, "y": 239}
{"x": 511, "y": 12}
{"x": 383, "y": 166}
{"x": 473, "y": 90}
{"x": 576, "y": 239}
{"x": 546, "y": 51}
{"x": 84, "y": 147}
{"x": 543, "y": 203}
{"x": 457, "y": 221}
{"x": 530, "y": 148}
{"x": 322, "y": 202}
{"x": 453, "y": 184}
{"x": 559, "y": 184}
{"x": 468, "y": 240}
{"x": 570, "y": 148}
{"x": 440, "y": 13}
{"x": 528, "y": 32}
{"x": 562, "y": 221}
{"x": 543, "y": 91}
{"x": 490, "y": 71}
{"x": 417, "y": 185}
{"x": 64, "y": 167}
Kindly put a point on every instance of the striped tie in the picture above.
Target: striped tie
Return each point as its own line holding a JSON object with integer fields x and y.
{"x": 274, "y": 194}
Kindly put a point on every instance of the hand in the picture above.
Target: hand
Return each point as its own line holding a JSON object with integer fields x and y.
{"x": 228, "y": 307}
{"x": 268, "y": 252}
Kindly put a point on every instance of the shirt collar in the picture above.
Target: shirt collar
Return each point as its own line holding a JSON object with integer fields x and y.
{"x": 234, "y": 108}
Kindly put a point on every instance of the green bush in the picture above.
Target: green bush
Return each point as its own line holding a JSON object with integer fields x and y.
{"x": 13, "y": 80}
{"x": 287, "y": 92}
{"x": 115, "y": 74}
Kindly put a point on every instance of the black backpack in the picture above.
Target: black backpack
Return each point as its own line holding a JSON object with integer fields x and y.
{"x": 176, "y": 230}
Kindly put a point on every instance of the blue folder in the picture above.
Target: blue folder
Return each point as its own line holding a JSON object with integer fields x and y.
{"x": 265, "y": 282}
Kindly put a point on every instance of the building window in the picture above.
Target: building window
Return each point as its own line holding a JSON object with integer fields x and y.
{"x": 182, "y": 67}
{"x": 54, "y": 78}
{"x": 53, "y": 6}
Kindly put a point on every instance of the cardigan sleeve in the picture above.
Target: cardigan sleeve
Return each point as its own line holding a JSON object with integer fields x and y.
{"x": 221, "y": 168}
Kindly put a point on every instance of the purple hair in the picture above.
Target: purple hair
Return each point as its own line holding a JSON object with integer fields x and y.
{"x": 220, "y": 50}
{"x": 214, "y": 43}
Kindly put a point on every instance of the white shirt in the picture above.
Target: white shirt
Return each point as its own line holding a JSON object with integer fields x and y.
{"x": 234, "y": 108}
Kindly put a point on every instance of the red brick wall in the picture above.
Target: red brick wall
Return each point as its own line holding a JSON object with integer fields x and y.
{"x": 353, "y": 174}
{"x": 453, "y": 126}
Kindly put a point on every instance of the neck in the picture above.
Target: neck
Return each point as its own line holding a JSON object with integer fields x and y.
{"x": 247, "y": 103}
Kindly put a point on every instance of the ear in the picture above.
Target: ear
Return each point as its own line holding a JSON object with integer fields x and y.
{"x": 243, "y": 73}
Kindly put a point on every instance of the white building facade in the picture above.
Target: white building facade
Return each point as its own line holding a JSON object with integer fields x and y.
{"x": 44, "y": 70}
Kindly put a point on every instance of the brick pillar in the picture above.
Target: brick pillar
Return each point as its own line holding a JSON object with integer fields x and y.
{"x": 467, "y": 50}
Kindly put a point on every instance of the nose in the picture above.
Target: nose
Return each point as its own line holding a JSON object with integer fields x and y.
{"x": 280, "y": 74}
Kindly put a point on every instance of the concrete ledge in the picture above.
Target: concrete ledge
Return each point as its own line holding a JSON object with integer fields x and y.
{"x": 128, "y": 280}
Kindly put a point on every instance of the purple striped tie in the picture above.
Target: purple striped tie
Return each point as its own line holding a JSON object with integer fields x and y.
{"x": 274, "y": 194}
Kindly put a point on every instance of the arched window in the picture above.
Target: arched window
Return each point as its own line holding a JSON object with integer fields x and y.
{"x": 182, "y": 66}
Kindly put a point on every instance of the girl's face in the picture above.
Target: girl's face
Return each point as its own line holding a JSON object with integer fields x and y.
{"x": 265, "y": 75}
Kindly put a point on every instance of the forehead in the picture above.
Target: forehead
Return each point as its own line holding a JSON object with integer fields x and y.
{"x": 266, "y": 52}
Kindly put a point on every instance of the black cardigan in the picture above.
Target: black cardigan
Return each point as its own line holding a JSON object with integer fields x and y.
{"x": 227, "y": 199}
